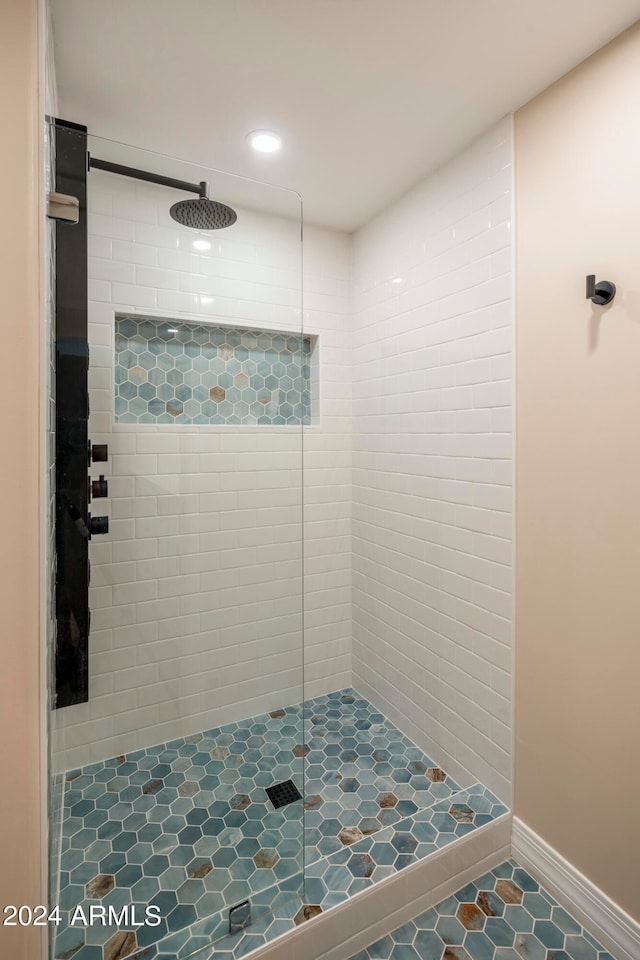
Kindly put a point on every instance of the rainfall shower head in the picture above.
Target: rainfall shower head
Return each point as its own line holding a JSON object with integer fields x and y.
{"x": 203, "y": 214}
{"x": 200, "y": 214}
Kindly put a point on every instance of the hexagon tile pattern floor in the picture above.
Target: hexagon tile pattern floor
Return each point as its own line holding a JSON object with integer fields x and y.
{"x": 503, "y": 915}
{"x": 187, "y": 826}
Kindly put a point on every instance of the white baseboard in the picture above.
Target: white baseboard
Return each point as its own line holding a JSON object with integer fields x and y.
{"x": 602, "y": 917}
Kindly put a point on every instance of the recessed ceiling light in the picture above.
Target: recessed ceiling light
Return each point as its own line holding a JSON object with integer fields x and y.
{"x": 201, "y": 245}
{"x": 398, "y": 280}
{"x": 264, "y": 141}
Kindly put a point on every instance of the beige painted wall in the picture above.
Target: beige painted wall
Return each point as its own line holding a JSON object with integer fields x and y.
{"x": 20, "y": 876}
{"x": 578, "y": 469}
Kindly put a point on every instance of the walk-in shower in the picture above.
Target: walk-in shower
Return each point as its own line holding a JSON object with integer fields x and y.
{"x": 208, "y": 759}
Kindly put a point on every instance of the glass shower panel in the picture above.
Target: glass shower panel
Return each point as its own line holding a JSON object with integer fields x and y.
{"x": 183, "y": 770}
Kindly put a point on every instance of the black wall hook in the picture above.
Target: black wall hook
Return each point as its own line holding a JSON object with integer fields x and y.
{"x": 601, "y": 292}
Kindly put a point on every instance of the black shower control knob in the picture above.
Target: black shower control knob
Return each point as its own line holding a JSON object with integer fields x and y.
{"x": 99, "y": 525}
{"x": 99, "y": 452}
{"x": 99, "y": 488}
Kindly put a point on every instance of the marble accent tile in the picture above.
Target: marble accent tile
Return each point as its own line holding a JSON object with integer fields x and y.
{"x": 121, "y": 944}
{"x": 100, "y": 885}
{"x": 307, "y": 912}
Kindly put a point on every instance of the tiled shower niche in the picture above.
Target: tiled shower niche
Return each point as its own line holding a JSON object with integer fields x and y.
{"x": 169, "y": 371}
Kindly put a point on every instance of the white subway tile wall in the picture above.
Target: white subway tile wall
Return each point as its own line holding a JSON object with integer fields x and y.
{"x": 432, "y": 422}
{"x": 327, "y": 465}
{"x": 196, "y": 592}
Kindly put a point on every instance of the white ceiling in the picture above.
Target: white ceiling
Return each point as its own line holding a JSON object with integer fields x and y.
{"x": 368, "y": 95}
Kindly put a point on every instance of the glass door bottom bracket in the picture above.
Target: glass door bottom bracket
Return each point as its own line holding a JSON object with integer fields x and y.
{"x": 239, "y": 916}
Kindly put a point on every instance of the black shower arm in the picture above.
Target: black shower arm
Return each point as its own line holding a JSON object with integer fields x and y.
{"x": 202, "y": 188}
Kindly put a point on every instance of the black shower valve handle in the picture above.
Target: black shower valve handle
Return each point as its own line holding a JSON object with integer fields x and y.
{"x": 94, "y": 525}
{"x": 601, "y": 292}
{"x": 97, "y": 453}
{"x": 98, "y": 525}
{"x": 100, "y": 453}
{"x": 99, "y": 488}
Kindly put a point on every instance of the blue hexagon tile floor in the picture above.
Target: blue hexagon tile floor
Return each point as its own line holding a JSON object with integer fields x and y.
{"x": 504, "y": 915}
{"x": 331, "y": 880}
{"x": 188, "y": 827}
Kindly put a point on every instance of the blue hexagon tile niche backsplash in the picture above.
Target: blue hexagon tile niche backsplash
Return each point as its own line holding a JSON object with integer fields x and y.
{"x": 169, "y": 371}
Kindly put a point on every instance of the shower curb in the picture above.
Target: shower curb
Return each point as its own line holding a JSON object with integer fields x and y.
{"x": 215, "y": 929}
{"x": 370, "y": 914}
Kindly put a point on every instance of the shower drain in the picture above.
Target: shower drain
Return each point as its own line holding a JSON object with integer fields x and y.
{"x": 283, "y": 793}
